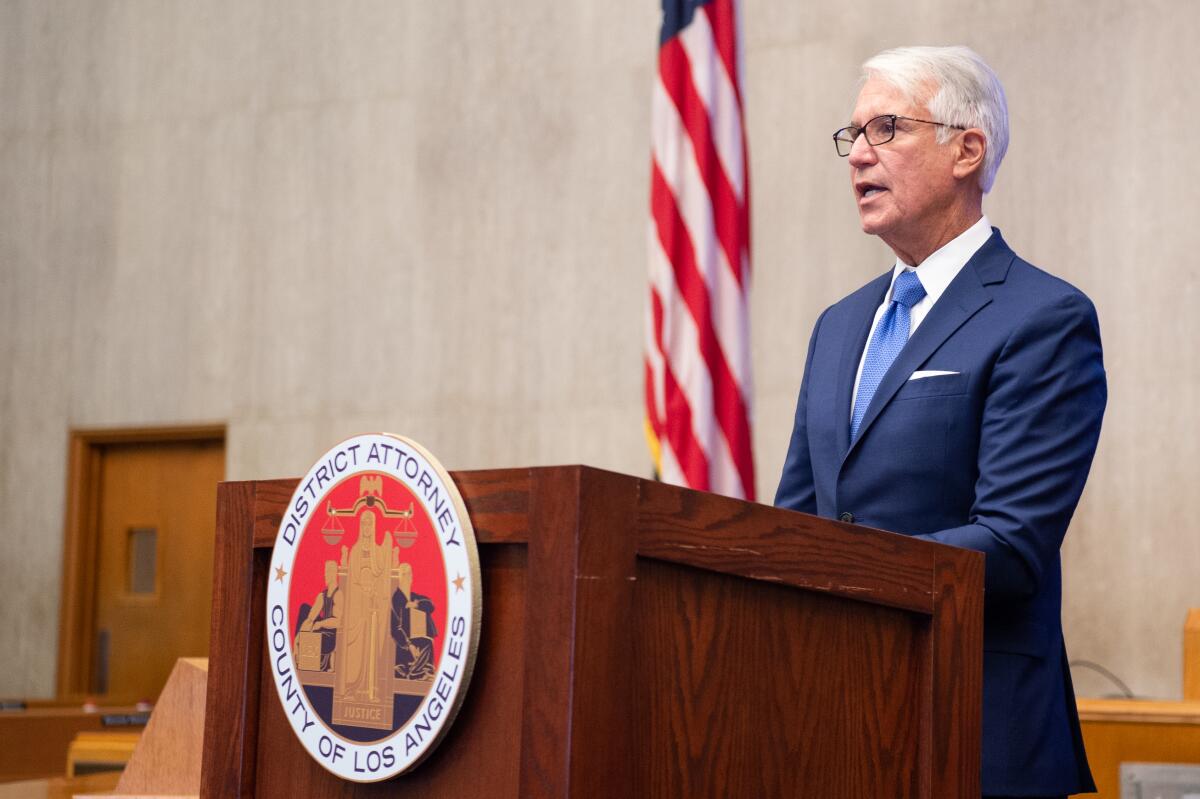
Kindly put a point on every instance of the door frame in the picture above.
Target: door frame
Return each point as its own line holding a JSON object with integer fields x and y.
{"x": 81, "y": 539}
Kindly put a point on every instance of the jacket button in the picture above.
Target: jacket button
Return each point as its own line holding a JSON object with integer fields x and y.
{"x": 847, "y": 517}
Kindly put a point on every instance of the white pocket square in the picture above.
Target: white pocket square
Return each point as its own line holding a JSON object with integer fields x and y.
{"x": 930, "y": 373}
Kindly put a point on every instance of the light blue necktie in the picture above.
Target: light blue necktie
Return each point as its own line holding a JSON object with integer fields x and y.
{"x": 890, "y": 336}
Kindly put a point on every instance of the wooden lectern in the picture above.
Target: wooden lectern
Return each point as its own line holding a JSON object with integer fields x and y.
{"x": 642, "y": 640}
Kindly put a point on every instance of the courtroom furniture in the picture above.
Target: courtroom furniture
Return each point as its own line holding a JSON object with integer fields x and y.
{"x": 61, "y": 787}
{"x": 90, "y": 752}
{"x": 167, "y": 759}
{"x": 1119, "y": 731}
{"x": 35, "y": 740}
{"x": 642, "y": 640}
{"x": 75, "y": 701}
{"x": 140, "y": 506}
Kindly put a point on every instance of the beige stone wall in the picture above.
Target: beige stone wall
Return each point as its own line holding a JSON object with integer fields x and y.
{"x": 207, "y": 208}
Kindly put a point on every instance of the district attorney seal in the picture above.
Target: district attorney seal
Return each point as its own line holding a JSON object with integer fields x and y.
{"x": 373, "y": 607}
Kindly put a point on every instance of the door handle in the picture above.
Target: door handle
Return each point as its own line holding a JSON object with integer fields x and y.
{"x": 100, "y": 685}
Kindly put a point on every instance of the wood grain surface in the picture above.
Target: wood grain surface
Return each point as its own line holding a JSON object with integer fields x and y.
{"x": 952, "y": 672}
{"x": 231, "y": 716}
{"x": 774, "y": 545}
{"x": 167, "y": 758}
{"x": 1119, "y": 731}
{"x": 34, "y": 742}
{"x": 748, "y": 689}
{"x": 644, "y": 640}
{"x": 497, "y": 501}
{"x": 1139, "y": 711}
{"x": 61, "y": 787}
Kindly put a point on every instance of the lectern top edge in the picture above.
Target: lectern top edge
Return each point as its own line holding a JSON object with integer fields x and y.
{"x": 704, "y": 530}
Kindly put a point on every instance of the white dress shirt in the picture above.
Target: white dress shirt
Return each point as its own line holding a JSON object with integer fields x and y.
{"x": 935, "y": 274}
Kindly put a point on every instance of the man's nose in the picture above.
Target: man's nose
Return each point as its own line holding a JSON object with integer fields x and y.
{"x": 861, "y": 152}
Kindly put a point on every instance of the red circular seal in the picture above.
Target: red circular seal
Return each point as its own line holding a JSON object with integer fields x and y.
{"x": 373, "y": 607}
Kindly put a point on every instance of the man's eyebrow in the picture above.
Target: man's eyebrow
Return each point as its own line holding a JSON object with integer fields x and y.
{"x": 865, "y": 121}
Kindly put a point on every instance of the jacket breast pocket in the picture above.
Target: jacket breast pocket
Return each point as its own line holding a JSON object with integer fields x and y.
{"x": 935, "y": 386}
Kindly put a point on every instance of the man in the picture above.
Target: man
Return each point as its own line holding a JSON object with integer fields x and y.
{"x": 322, "y": 615}
{"x": 412, "y": 629}
{"x": 958, "y": 397}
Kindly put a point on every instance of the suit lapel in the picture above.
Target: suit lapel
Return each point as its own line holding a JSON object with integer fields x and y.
{"x": 858, "y": 329}
{"x": 961, "y": 300}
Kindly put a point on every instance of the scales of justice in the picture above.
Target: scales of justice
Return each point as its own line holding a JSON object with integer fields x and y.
{"x": 367, "y": 635}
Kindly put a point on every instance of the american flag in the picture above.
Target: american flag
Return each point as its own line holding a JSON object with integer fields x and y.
{"x": 698, "y": 387}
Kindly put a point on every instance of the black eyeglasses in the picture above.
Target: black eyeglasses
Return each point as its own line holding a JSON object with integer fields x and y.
{"x": 880, "y": 130}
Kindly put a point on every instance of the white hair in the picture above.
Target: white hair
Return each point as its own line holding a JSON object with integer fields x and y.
{"x": 967, "y": 93}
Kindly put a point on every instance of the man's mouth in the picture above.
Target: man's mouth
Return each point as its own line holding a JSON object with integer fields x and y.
{"x": 866, "y": 191}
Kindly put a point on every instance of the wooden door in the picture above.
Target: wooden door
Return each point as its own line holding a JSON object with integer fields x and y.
{"x": 156, "y": 513}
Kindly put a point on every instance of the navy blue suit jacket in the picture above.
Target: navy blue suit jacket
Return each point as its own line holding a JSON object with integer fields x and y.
{"x": 991, "y": 458}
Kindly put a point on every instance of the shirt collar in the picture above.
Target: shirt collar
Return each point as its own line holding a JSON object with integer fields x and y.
{"x": 942, "y": 266}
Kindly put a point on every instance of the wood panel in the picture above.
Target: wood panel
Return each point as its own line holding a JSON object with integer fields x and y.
{"x": 100, "y": 751}
{"x": 863, "y": 565}
{"x": 76, "y": 611}
{"x": 171, "y": 490}
{"x": 832, "y": 715}
{"x": 952, "y": 678}
{"x": 1119, "y": 731}
{"x": 497, "y": 501}
{"x": 61, "y": 787}
{"x": 644, "y": 640}
{"x": 33, "y": 743}
{"x": 581, "y": 568}
{"x": 231, "y": 718}
{"x": 84, "y": 578}
{"x": 167, "y": 759}
{"x": 780, "y": 546}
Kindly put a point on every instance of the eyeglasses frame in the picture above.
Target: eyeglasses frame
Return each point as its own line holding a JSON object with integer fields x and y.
{"x": 862, "y": 131}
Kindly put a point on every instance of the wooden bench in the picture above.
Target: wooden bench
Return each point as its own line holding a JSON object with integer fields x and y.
{"x": 100, "y": 751}
{"x": 1119, "y": 731}
{"x": 35, "y": 740}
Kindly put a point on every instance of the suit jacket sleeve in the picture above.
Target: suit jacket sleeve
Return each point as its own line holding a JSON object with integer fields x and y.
{"x": 1040, "y": 425}
{"x": 797, "y": 490}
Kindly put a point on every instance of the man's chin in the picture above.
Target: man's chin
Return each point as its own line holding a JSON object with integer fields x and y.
{"x": 872, "y": 225}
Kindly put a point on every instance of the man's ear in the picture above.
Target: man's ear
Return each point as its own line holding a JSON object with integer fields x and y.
{"x": 972, "y": 145}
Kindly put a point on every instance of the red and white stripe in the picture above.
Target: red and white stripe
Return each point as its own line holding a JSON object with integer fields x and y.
{"x": 697, "y": 363}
